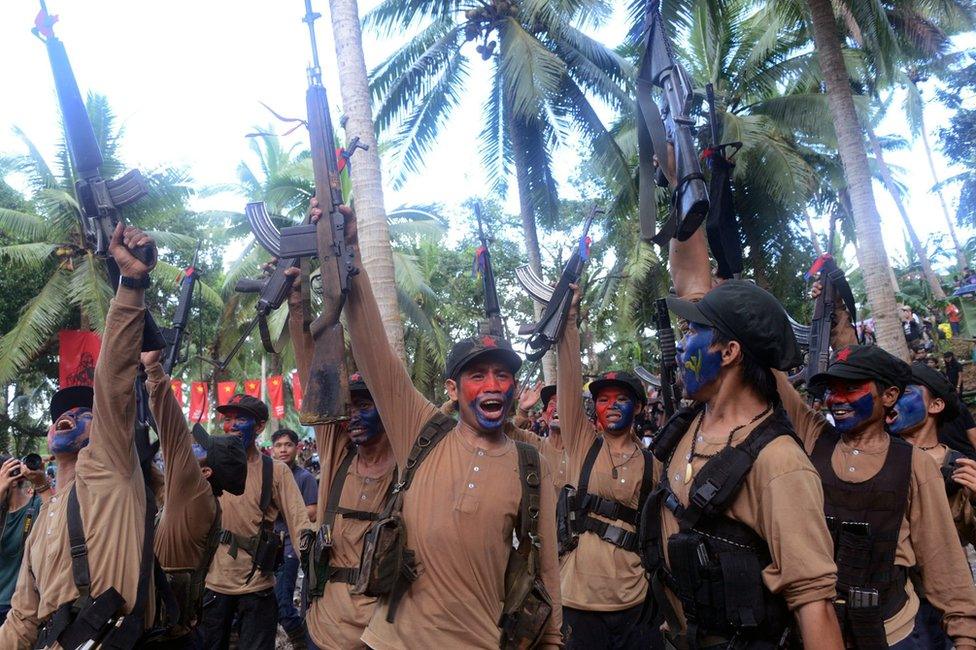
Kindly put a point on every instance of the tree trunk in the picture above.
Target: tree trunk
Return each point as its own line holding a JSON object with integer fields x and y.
{"x": 367, "y": 183}
{"x": 871, "y": 251}
{"x": 530, "y": 231}
{"x": 961, "y": 260}
{"x": 930, "y": 277}
{"x": 817, "y": 248}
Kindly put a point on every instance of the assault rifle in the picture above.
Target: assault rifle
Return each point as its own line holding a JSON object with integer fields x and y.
{"x": 547, "y": 332}
{"x": 656, "y": 127}
{"x": 174, "y": 334}
{"x": 670, "y": 396}
{"x": 482, "y": 265}
{"x": 99, "y": 199}
{"x": 722, "y": 227}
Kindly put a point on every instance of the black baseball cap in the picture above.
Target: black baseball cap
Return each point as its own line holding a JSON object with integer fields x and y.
{"x": 478, "y": 347}
{"x": 865, "y": 363}
{"x": 938, "y": 386}
{"x": 743, "y": 312}
{"x": 226, "y": 458}
{"x": 71, "y": 397}
{"x": 358, "y": 385}
{"x": 547, "y": 394}
{"x": 622, "y": 379}
{"x": 242, "y": 402}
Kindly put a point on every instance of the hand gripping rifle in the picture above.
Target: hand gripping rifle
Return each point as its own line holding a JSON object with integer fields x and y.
{"x": 547, "y": 332}
{"x": 656, "y": 127}
{"x": 482, "y": 266}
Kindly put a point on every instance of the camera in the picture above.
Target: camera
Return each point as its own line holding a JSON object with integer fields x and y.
{"x": 32, "y": 461}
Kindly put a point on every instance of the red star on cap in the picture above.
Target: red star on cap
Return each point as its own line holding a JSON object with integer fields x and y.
{"x": 355, "y": 377}
{"x": 489, "y": 341}
{"x": 610, "y": 375}
{"x": 235, "y": 399}
{"x": 843, "y": 354}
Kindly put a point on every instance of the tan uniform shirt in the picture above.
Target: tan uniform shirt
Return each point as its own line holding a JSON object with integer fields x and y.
{"x": 782, "y": 501}
{"x": 189, "y": 505}
{"x": 928, "y": 536}
{"x": 242, "y": 515}
{"x": 111, "y": 494}
{"x": 597, "y": 575}
{"x": 960, "y": 503}
{"x": 556, "y": 456}
{"x": 337, "y": 619}
{"x": 460, "y": 512}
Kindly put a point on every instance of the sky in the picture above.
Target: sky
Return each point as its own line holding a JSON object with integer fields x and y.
{"x": 186, "y": 80}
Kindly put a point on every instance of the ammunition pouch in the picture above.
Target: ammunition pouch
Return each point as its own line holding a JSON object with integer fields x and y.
{"x": 71, "y": 626}
{"x": 527, "y": 606}
{"x": 269, "y": 553}
{"x": 567, "y": 527}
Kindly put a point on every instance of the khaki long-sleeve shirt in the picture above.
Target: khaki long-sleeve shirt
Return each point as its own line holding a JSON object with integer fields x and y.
{"x": 111, "y": 494}
{"x": 460, "y": 511}
{"x": 242, "y": 515}
{"x": 597, "y": 575}
{"x": 190, "y": 504}
{"x": 928, "y": 539}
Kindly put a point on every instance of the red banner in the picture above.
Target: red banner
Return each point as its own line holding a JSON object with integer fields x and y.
{"x": 296, "y": 390}
{"x": 225, "y": 390}
{"x": 79, "y": 352}
{"x": 276, "y": 396}
{"x": 252, "y": 387}
{"x": 177, "y": 386}
{"x": 199, "y": 407}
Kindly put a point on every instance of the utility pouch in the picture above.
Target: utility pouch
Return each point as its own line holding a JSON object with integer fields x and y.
{"x": 853, "y": 553}
{"x": 864, "y": 620}
{"x": 269, "y": 550}
{"x": 93, "y": 621}
{"x": 527, "y": 606}
{"x": 385, "y": 559}
{"x": 688, "y": 558}
{"x": 567, "y": 520}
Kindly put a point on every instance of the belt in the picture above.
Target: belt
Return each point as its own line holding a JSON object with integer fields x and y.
{"x": 348, "y": 575}
{"x": 681, "y": 643}
{"x": 615, "y": 535}
{"x": 609, "y": 509}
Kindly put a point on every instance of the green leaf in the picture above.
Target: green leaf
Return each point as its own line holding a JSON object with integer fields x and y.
{"x": 39, "y": 321}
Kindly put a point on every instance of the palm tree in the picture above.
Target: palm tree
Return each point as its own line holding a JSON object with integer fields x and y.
{"x": 44, "y": 239}
{"x": 367, "y": 184}
{"x": 872, "y": 256}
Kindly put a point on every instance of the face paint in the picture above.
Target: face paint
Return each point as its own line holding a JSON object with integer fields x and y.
{"x": 243, "y": 425}
{"x": 551, "y": 416}
{"x": 614, "y": 409}
{"x": 198, "y": 452}
{"x": 851, "y": 404}
{"x": 488, "y": 391}
{"x": 910, "y": 411}
{"x": 69, "y": 434}
{"x": 699, "y": 366}
{"x": 364, "y": 423}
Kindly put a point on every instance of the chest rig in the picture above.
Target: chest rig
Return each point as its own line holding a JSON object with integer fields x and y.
{"x": 716, "y": 563}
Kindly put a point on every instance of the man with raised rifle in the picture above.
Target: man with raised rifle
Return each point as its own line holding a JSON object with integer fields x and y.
{"x": 198, "y": 469}
{"x": 241, "y": 578}
{"x": 928, "y": 400}
{"x": 85, "y": 563}
{"x": 358, "y": 474}
{"x": 604, "y": 586}
{"x": 463, "y": 496}
{"x": 734, "y": 535}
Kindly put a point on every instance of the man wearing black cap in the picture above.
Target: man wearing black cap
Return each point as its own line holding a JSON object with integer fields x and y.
{"x": 241, "y": 577}
{"x": 546, "y": 436}
{"x": 738, "y": 501}
{"x": 461, "y": 508}
{"x": 91, "y": 437}
{"x": 603, "y": 583}
{"x": 198, "y": 469}
{"x": 927, "y": 401}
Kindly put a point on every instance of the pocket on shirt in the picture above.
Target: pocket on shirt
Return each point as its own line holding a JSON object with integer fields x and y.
{"x": 467, "y": 502}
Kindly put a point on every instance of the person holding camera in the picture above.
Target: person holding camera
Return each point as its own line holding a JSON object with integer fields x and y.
{"x": 22, "y": 484}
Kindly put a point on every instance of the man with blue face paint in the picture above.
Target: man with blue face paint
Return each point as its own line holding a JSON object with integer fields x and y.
{"x": 603, "y": 583}
{"x": 241, "y": 578}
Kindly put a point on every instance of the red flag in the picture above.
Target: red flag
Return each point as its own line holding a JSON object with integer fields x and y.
{"x": 177, "y": 386}
{"x": 252, "y": 387}
{"x": 225, "y": 390}
{"x": 296, "y": 390}
{"x": 276, "y": 395}
{"x": 199, "y": 407}
{"x": 79, "y": 352}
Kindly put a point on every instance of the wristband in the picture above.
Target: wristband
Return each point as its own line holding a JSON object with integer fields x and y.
{"x": 135, "y": 283}
{"x": 44, "y": 488}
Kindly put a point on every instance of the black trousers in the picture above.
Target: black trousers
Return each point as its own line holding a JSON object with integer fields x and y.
{"x": 622, "y": 630}
{"x": 256, "y": 614}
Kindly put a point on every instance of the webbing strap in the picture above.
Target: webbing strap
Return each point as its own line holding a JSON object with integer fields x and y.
{"x": 433, "y": 432}
{"x": 335, "y": 487}
{"x": 529, "y": 506}
{"x": 615, "y": 535}
{"x": 267, "y": 482}
{"x": 588, "y": 463}
{"x": 80, "y": 572}
{"x": 607, "y": 507}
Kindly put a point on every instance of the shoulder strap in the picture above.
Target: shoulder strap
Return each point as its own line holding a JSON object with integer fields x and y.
{"x": 588, "y": 462}
{"x": 530, "y": 505}
{"x": 674, "y": 430}
{"x": 79, "y": 549}
{"x": 433, "y": 432}
{"x": 267, "y": 482}
{"x": 647, "y": 479}
{"x": 335, "y": 487}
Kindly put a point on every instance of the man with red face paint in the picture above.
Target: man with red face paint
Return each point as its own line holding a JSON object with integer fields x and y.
{"x": 358, "y": 474}
{"x": 734, "y": 535}
{"x": 91, "y": 437}
{"x": 603, "y": 583}
{"x": 463, "y": 504}
{"x": 548, "y": 437}
{"x": 237, "y": 585}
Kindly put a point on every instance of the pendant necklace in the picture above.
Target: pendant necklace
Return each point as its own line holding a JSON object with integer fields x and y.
{"x": 692, "y": 455}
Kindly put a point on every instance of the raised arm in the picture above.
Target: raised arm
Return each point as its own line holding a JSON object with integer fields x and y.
{"x": 576, "y": 429}
{"x": 290, "y": 503}
{"x": 113, "y": 415}
{"x": 691, "y": 272}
